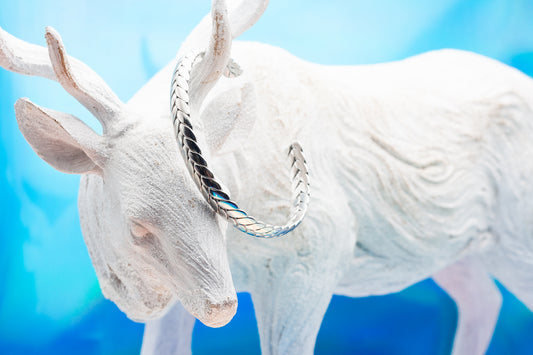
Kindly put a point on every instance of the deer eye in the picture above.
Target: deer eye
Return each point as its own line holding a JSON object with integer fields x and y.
{"x": 137, "y": 230}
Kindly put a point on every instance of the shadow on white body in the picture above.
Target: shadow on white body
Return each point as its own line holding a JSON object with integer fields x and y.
{"x": 419, "y": 168}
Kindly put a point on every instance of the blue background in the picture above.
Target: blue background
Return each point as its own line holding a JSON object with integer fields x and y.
{"x": 50, "y": 300}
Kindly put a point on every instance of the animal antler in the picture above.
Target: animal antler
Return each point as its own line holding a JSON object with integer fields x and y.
{"x": 216, "y": 55}
{"x": 53, "y": 63}
{"x": 24, "y": 58}
{"x": 246, "y": 15}
{"x": 213, "y": 35}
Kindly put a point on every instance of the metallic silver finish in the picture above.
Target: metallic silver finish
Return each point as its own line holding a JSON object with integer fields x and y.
{"x": 204, "y": 178}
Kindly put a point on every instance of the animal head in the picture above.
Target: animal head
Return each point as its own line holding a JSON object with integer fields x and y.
{"x": 152, "y": 236}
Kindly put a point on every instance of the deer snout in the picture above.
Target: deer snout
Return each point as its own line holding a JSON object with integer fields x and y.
{"x": 218, "y": 314}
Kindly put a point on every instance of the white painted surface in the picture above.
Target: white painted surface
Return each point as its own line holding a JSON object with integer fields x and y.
{"x": 414, "y": 166}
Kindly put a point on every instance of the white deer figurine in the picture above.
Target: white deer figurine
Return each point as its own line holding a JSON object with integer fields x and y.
{"x": 419, "y": 168}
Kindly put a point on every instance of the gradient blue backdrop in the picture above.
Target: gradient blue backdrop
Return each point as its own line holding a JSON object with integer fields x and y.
{"x": 50, "y": 301}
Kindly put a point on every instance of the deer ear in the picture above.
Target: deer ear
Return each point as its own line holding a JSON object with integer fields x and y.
{"x": 229, "y": 115}
{"x": 60, "y": 139}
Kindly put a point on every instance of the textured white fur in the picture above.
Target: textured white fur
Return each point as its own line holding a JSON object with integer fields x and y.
{"x": 418, "y": 168}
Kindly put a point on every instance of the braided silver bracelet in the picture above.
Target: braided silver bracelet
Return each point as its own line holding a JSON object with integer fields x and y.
{"x": 204, "y": 178}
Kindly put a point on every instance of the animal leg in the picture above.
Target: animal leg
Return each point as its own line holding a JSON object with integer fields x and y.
{"x": 478, "y": 303}
{"x": 292, "y": 280}
{"x": 289, "y": 309}
{"x": 516, "y": 275}
{"x": 171, "y": 334}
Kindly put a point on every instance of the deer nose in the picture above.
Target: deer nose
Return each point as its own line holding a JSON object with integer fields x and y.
{"x": 218, "y": 314}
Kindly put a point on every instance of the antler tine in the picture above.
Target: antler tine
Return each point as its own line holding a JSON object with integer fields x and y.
{"x": 219, "y": 36}
{"x": 82, "y": 82}
{"x": 24, "y": 58}
{"x": 246, "y": 15}
{"x": 216, "y": 56}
